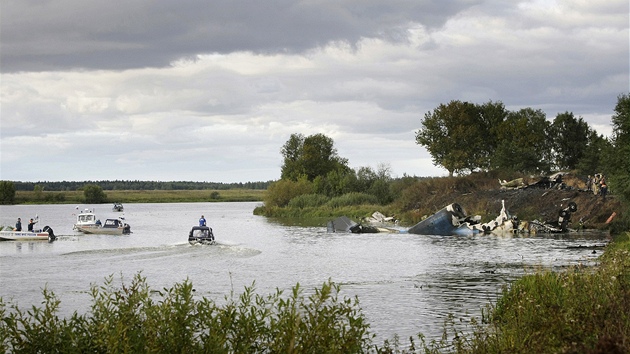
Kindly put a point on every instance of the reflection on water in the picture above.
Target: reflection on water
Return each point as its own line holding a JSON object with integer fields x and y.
{"x": 406, "y": 283}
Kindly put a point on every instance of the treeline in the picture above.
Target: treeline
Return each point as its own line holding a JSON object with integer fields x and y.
{"x": 463, "y": 138}
{"x": 137, "y": 185}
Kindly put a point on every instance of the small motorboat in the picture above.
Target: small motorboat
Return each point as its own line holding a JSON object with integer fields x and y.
{"x": 201, "y": 235}
{"x": 86, "y": 219}
{"x": 110, "y": 227}
{"x": 118, "y": 207}
{"x": 46, "y": 234}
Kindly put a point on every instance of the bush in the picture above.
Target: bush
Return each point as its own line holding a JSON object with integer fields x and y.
{"x": 281, "y": 192}
{"x": 353, "y": 198}
{"x": 7, "y": 192}
{"x": 94, "y": 194}
{"x": 308, "y": 200}
{"x": 130, "y": 320}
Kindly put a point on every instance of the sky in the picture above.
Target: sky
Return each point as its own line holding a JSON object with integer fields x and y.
{"x": 197, "y": 90}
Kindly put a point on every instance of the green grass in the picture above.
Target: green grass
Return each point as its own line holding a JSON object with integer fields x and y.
{"x": 144, "y": 196}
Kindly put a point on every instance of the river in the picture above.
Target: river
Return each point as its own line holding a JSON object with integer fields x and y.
{"x": 405, "y": 283}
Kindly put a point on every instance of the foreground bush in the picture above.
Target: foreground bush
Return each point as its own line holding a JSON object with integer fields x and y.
{"x": 134, "y": 319}
{"x": 581, "y": 310}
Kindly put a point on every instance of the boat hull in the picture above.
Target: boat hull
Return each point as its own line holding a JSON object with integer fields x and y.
{"x": 24, "y": 236}
{"x": 101, "y": 230}
{"x": 201, "y": 235}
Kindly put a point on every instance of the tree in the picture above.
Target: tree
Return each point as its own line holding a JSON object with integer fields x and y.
{"x": 493, "y": 114}
{"x": 459, "y": 136}
{"x": 292, "y": 168}
{"x": 570, "y": 137}
{"x": 593, "y": 160}
{"x": 7, "y": 192}
{"x": 311, "y": 157}
{"x": 524, "y": 142}
{"x": 335, "y": 183}
{"x": 39, "y": 192}
{"x": 94, "y": 194}
{"x": 619, "y": 159}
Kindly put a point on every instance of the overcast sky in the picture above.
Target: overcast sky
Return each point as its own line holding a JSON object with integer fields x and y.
{"x": 198, "y": 90}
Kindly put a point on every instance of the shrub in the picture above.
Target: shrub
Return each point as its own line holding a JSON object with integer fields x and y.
{"x": 7, "y": 192}
{"x": 308, "y": 200}
{"x": 281, "y": 192}
{"x": 353, "y": 198}
{"x": 135, "y": 319}
{"x": 94, "y": 194}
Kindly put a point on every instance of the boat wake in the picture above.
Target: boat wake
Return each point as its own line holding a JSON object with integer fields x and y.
{"x": 219, "y": 249}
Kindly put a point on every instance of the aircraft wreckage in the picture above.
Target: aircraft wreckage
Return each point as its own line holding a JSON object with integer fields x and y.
{"x": 452, "y": 220}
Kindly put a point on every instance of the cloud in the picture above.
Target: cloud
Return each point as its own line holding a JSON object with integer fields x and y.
{"x": 196, "y": 91}
{"x": 71, "y": 34}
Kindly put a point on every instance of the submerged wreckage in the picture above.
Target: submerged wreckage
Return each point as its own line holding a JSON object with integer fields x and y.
{"x": 452, "y": 220}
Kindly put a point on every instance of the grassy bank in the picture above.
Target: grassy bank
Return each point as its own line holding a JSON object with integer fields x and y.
{"x": 479, "y": 194}
{"x": 144, "y": 196}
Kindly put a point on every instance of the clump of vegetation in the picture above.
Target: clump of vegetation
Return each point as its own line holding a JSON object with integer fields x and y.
{"x": 308, "y": 200}
{"x": 134, "y": 319}
{"x": 355, "y": 198}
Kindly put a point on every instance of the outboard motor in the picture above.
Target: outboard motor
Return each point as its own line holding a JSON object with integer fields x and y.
{"x": 51, "y": 233}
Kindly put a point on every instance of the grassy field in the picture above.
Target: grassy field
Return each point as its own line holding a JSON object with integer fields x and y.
{"x": 144, "y": 196}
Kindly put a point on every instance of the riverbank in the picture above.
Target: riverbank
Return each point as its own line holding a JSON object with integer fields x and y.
{"x": 479, "y": 194}
{"x": 581, "y": 310}
{"x": 143, "y": 196}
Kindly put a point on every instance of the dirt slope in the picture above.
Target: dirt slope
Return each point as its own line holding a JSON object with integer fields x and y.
{"x": 534, "y": 203}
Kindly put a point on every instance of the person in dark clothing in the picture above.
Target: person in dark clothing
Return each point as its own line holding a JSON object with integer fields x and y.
{"x": 31, "y": 223}
{"x": 18, "y": 225}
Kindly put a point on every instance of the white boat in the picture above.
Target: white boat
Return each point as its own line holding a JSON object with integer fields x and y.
{"x": 118, "y": 207}
{"x": 86, "y": 219}
{"x": 45, "y": 234}
{"x": 201, "y": 235}
{"x": 116, "y": 226}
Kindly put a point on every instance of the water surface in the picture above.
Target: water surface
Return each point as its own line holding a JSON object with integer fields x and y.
{"x": 405, "y": 283}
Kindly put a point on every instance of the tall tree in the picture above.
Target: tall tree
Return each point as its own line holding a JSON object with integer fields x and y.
{"x": 7, "y": 192}
{"x": 619, "y": 159}
{"x": 493, "y": 114}
{"x": 455, "y": 135}
{"x": 293, "y": 168}
{"x": 311, "y": 157}
{"x": 570, "y": 137}
{"x": 524, "y": 142}
{"x": 593, "y": 160}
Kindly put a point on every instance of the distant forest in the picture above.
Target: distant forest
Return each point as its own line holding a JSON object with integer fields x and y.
{"x": 138, "y": 185}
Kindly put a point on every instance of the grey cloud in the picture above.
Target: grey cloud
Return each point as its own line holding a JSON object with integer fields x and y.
{"x": 123, "y": 34}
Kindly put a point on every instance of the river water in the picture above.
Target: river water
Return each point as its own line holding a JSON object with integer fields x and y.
{"x": 406, "y": 283}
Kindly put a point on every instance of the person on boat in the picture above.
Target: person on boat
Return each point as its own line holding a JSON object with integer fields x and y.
{"x": 31, "y": 223}
{"x": 18, "y": 225}
{"x": 202, "y": 221}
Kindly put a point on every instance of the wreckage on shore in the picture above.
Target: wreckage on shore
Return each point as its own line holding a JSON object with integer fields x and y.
{"x": 453, "y": 220}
